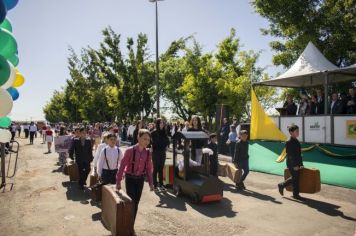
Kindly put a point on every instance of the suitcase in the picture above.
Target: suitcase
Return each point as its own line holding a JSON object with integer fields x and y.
{"x": 309, "y": 180}
{"x": 65, "y": 168}
{"x": 73, "y": 171}
{"x": 168, "y": 175}
{"x": 233, "y": 173}
{"x": 93, "y": 179}
{"x": 222, "y": 170}
{"x": 117, "y": 211}
{"x": 96, "y": 192}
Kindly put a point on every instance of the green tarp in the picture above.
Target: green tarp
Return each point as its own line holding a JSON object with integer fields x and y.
{"x": 333, "y": 171}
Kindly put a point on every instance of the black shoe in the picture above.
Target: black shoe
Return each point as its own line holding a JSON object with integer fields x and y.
{"x": 298, "y": 197}
{"x": 243, "y": 185}
{"x": 280, "y": 189}
{"x": 238, "y": 186}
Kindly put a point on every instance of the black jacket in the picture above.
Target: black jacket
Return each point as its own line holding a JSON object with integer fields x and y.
{"x": 291, "y": 108}
{"x": 337, "y": 108}
{"x": 159, "y": 140}
{"x": 83, "y": 154}
{"x": 241, "y": 152}
{"x": 294, "y": 155}
{"x": 351, "y": 109}
{"x": 320, "y": 106}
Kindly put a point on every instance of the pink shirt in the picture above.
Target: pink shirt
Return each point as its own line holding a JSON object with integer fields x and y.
{"x": 140, "y": 162}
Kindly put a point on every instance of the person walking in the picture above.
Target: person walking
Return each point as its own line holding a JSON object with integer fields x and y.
{"x": 33, "y": 131}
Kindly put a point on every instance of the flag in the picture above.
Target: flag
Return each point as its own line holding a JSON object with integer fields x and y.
{"x": 262, "y": 126}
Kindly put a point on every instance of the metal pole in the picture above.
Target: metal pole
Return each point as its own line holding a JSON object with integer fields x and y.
{"x": 3, "y": 175}
{"x": 157, "y": 64}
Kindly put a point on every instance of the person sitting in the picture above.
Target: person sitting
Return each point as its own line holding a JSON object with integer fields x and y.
{"x": 290, "y": 106}
{"x": 335, "y": 106}
{"x": 351, "y": 101}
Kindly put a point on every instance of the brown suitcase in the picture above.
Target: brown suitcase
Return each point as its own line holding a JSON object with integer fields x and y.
{"x": 233, "y": 173}
{"x": 73, "y": 171}
{"x": 117, "y": 211}
{"x": 222, "y": 170}
{"x": 96, "y": 192}
{"x": 93, "y": 179}
{"x": 309, "y": 180}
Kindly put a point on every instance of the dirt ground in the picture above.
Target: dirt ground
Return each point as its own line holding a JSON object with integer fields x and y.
{"x": 44, "y": 202}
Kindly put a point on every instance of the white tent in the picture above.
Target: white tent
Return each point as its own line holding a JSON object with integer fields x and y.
{"x": 307, "y": 71}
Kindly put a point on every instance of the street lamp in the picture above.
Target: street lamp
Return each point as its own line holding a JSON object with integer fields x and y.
{"x": 157, "y": 58}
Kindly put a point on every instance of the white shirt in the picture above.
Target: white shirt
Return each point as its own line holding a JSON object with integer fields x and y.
{"x": 238, "y": 129}
{"x": 114, "y": 157}
{"x": 131, "y": 130}
{"x": 33, "y": 128}
{"x": 97, "y": 153}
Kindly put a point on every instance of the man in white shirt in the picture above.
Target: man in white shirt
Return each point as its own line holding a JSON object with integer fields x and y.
{"x": 99, "y": 149}
{"x": 130, "y": 132}
{"x": 109, "y": 161}
{"x": 33, "y": 130}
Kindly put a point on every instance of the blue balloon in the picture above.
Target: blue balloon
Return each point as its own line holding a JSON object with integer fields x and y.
{"x": 3, "y": 11}
{"x": 10, "y": 4}
{"x": 13, "y": 92}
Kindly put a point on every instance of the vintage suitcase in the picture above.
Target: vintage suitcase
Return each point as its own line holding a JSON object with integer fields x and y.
{"x": 222, "y": 171}
{"x": 93, "y": 179}
{"x": 73, "y": 171}
{"x": 168, "y": 175}
{"x": 232, "y": 172}
{"x": 117, "y": 211}
{"x": 309, "y": 180}
{"x": 96, "y": 192}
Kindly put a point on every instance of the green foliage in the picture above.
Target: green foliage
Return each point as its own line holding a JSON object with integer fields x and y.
{"x": 329, "y": 24}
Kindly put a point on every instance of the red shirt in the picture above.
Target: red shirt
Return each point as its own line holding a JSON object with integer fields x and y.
{"x": 49, "y": 133}
{"x": 141, "y": 160}
{"x": 44, "y": 128}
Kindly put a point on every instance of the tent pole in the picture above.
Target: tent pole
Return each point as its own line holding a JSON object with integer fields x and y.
{"x": 326, "y": 94}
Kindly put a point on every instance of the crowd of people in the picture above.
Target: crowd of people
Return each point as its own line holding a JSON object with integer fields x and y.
{"x": 340, "y": 103}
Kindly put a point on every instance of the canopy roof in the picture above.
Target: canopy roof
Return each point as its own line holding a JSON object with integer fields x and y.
{"x": 310, "y": 70}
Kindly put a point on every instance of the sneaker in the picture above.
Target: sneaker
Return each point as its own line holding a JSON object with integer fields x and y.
{"x": 163, "y": 188}
{"x": 280, "y": 189}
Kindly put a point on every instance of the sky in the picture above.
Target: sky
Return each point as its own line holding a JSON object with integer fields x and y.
{"x": 44, "y": 29}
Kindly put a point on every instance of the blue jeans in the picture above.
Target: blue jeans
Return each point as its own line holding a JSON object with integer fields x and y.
{"x": 244, "y": 166}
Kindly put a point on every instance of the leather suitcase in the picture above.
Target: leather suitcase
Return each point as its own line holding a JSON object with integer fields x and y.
{"x": 222, "y": 171}
{"x": 309, "y": 180}
{"x": 73, "y": 171}
{"x": 96, "y": 192}
{"x": 93, "y": 179}
{"x": 233, "y": 173}
{"x": 117, "y": 211}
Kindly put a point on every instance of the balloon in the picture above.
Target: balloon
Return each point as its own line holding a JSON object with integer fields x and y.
{"x": 5, "y": 136}
{"x": 11, "y": 79}
{"x": 3, "y": 11}
{"x": 14, "y": 93}
{"x": 5, "y": 122}
{"x": 6, "y": 102}
{"x": 14, "y": 60}
{"x": 19, "y": 80}
{"x": 6, "y": 24}
{"x": 10, "y": 4}
{"x": 4, "y": 70}
{"x": 8, "y": 44}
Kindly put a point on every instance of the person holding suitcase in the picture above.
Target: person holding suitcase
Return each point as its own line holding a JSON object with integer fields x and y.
{"x": 109, "y": 160}
{"x": 136, "y": 165}
{"x": 294, "y": 162}
{"x": 83, "y": 151}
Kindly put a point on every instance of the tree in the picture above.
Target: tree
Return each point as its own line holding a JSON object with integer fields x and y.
{"x": 329, "y": 24}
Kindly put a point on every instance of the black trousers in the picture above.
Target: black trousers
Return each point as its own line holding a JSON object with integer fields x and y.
{"x": 26, "y": 133}
{"x": 31, "y": 136}
{"x": 158, "y": 159}
{"x": 294, "y": 180}
{"x": 232, "y": 146}
{"x": 244, "y": 166}
{"x": 84, "y": 170}
{"x": 134, "y": 187}
{"x": 13, "y": 135}
{"x": 213, "y": 165}
{"x": 109, "y": 176}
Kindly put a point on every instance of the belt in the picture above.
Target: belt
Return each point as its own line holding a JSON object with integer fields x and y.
{"x": 135, "y": 176}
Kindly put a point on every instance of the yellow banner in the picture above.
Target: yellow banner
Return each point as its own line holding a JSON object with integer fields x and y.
{"x": 262, "y": 126}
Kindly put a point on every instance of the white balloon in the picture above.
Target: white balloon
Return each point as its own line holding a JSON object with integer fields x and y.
{"x": 5, "y": 136}
{"x": 12, "y": 77}
{"x": 5, "y": 102}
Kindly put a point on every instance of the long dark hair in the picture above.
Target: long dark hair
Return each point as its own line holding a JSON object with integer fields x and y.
{"x": 199, "y": 122}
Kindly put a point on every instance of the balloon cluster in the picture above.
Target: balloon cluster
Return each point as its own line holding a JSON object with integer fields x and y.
{"x": 10, "y": 77}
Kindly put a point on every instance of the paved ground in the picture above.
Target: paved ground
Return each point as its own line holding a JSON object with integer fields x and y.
{"x": 44, "y": 202}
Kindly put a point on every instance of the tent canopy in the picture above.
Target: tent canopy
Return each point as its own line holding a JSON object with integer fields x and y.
{"x": 310, "y": 70}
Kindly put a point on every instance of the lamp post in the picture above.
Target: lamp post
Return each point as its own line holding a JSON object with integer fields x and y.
{"x": 157, "y": 59}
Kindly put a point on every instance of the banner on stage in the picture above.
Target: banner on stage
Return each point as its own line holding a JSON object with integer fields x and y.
{"x": 62, "y": 143}
{"x": 351, "y": 128}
